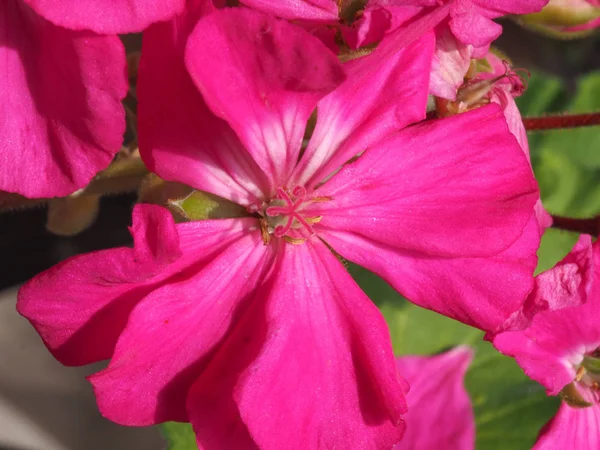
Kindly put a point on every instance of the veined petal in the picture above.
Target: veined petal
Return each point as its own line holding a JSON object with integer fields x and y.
{"x": 173, "y": 332}
{"x": 81, "y": 306}
{"x": 384, "y": 92}
{"x": 312, "y": 367}
{"x": 472, "y": 25}
{"x": 443, "y": 188}
{"x": 106, "y": 16}
{"x": 451, "y": 61}
{"x": 180, "y": 138}
{"x": 481, "y": 292}
{"x": 275, "y": 74}
{"x": 311, "y": 10}
{"x": 565, "y": 326}
{"x": 575, "y": 428}
{"x": 62, "y": 119}
{"x": 440, "y": 414}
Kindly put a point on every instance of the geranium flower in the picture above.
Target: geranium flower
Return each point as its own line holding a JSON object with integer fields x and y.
{"x": 250, "y": 328}
{"x": 561, "y": 347}
{"x": 440, "y": 414}
{"x": 62, "y": 89}
{"x": 61, "y": 93}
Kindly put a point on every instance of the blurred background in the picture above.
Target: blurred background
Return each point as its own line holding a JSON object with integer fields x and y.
{"x": 44, "y": 406}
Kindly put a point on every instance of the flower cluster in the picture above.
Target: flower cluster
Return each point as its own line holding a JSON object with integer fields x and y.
{"x": 384, "y": 133}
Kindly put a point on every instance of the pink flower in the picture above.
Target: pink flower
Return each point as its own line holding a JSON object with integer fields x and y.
{"x": 106, "y": 16}
{"x": 440, "y": 414}
{"x": 62, "y": 117}
{"x": 251, "y": 328}
{"x": 561, "y": 347}
{"x": 62, "y": 89}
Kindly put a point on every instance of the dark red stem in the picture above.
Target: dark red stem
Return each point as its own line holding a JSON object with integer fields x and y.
{"x": 587, "y": 226}
{"x": 561, "y": 121}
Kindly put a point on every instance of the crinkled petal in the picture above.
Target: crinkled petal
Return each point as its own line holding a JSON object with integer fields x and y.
{"x": 443, "y": 188}
{"x": 440, "y": 414}
{"x": 451, "y": 61}
{"x": 563, "y": 330}
{"x": 81, "y": 306}
{"x": 569, "y": 283}
{"x": 311, "y": 367}
{"x": 275, "y": 74}
{"x": 481, "y": 292}
{"x": 62, "y": 119}
{"x": 172, "y": 333}
{"x": 311, "y": 10}
{"x": 180, "y": 138}
{"x": 571, "y": 428}
{"x": 107, "y": 16}
{"x": 384, "y": 92}
{"x": 471, "y": 26}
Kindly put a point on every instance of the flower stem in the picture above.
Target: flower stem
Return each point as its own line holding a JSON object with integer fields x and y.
{"x": 587, "y": 226}
{"x": 555, "y": 122}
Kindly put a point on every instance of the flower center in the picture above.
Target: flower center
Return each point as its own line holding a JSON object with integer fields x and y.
{"x": 284, "y": 216}
{"x": 586, "y": 379}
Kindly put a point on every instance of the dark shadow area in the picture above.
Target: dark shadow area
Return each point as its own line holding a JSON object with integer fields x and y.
{"x": 27, "y": 248}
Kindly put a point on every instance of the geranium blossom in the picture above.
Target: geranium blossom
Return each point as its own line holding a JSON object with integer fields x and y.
{"x": 61, "y": 95}
{"x": 251, "y": 328}
{"x": 62, "y": 89}
{"x": 106, "y": 16}
{"x": 440, "y": 414}
{"x": 561, "y": 347}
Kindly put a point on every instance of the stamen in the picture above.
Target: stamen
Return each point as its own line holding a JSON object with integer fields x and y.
{"x": 290, "y": 210}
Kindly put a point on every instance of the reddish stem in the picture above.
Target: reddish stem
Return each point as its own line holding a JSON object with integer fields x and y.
{"x": 561, "y": 121}
{"x": 587, "y": 226}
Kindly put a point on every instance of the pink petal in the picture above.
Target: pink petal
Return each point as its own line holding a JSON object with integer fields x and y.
{"x": 483, "y": 293}
{"x": 564, "y": 329}
{"x": 451, "y": 62}
{"x": 80, "y": 306}
{"x": 276, "y": 73}
{"x": 106, "y": 16}
{"x": 471, "y": 26}
{"x": 180, "y": 138}
{"x": 62, "y": 118}
{"x": 567, "y": 284}
{"x": 384, "y": 92}
{"x": 311, "y": 367}
{"x": 497, "y": 8}
{"x": 441, "y": 187}
{"x": 571, "y": 428}
{"x": 171, "y": 334}
{"x": 440, "y": 414}
{"x": 312, "y": 10}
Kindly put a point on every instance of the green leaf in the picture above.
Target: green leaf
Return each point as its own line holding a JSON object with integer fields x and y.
{"x": 180, "y": 436}
{"x": 566, "y": 162}
{"x": 509, "y": 408}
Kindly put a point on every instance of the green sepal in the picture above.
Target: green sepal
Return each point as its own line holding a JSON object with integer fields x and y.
{"x": 200, "y": 205}
{"x": 592, "y": 364}
{"x": 572, "y": 397}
